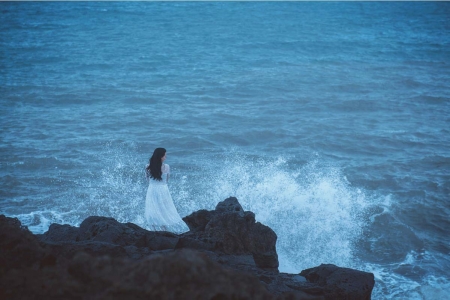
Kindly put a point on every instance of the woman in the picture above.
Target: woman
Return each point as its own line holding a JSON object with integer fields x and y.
{"x": 160, "y": 212}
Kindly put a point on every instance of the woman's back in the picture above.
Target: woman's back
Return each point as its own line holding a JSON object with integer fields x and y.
{"x": 165, "y": 169}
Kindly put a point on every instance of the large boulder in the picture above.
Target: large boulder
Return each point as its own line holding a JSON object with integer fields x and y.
{"x": 232, "y": 230}
{"x": 341, "y": 283}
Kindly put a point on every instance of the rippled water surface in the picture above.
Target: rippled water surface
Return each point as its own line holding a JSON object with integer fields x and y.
{"x": 329, "y": 120}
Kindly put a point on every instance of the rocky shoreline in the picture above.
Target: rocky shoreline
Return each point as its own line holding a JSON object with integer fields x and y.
{"x": 225, "y": 255}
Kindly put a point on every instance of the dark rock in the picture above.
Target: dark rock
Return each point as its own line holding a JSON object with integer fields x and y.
{"x": 161, "y": 240}
{"x": 184, "y": 274}
{"x": 283, "y": 284}
{"x": 198, "y": 220}
{"x": 106, "y": 236}
{"x": 194, "y": 243}
{"x": 60, "y": 233}
{"x": 234, "y": 258}
{"x": 229, "y": 205}
{"x": 232, "y": 231}
{"x": 18, "y": 245}
{"x": 69, "y": 249}
{"x": 236, "y": 233}
{"x": 108, "y": 230}
{"x": 341, "y": 283}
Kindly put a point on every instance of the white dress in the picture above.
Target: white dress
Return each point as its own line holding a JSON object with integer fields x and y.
{"x": 160, "y": 212}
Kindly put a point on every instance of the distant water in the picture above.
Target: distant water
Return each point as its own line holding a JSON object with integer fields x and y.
{"x": 331, "y": 121}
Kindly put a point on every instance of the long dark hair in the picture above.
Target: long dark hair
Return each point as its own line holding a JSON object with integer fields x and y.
{"x": 153, "y": 169}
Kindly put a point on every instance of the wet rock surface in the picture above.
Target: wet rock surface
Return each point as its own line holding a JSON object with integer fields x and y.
{"x": 225, "y": 255}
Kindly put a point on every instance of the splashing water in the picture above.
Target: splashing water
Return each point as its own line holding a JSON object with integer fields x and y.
{"x": 315, "y": 212}
{"x": 118, "y": 189}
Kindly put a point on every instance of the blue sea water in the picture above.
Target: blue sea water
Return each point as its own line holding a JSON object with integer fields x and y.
{"x": 329, "y": 120}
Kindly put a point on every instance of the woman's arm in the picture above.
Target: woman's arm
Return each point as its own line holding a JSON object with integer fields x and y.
{"x": 167, "y": 170}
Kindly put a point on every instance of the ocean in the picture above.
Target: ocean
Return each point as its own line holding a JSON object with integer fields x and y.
{"x": 329, "y": 120}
